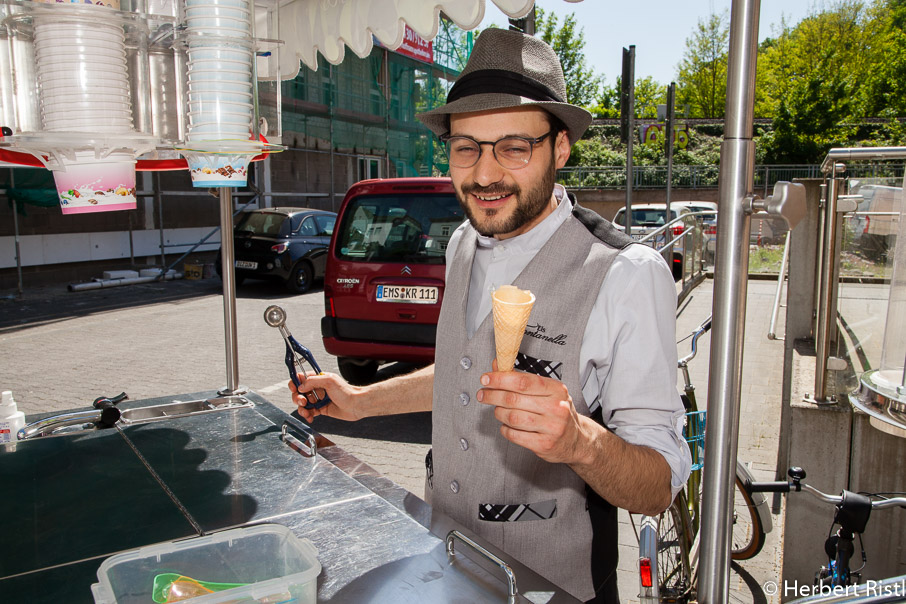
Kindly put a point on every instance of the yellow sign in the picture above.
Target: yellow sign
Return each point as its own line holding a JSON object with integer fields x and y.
{"x": 652, "y": 133}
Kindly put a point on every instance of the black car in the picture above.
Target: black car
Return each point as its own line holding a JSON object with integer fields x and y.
{"x": 283, "y": 243}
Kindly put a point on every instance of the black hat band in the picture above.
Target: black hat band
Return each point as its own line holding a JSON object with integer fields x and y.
{"x": 499, "y": 81}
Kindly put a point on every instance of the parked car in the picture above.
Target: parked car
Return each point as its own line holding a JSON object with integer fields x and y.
{"x": 385, "y": 273}
{"x": 708, "y": 220}
{"x": 648, "y": 217}
{"x": 874, "y": 222}
{"x": 282, "y": 243}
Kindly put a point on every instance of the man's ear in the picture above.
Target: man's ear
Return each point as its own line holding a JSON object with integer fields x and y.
{"x": 562, "y": 148}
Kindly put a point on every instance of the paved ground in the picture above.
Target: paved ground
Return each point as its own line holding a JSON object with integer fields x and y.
{"x": 61, "y": 350}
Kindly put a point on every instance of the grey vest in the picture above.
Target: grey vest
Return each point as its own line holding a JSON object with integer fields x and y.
{"x": 536, "y": 511}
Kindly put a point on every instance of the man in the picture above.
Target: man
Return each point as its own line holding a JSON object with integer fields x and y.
{"x": 535, "y": 460}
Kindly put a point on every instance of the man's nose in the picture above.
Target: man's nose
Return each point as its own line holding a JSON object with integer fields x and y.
{"x": 487, "y": 170}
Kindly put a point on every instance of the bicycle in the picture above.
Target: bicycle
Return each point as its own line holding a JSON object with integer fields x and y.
{"x": 668, "y": 543}
{"x": 851, "y": 514}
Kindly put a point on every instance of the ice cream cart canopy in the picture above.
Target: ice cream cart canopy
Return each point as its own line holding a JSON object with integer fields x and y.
{"x": 328, "y": 27}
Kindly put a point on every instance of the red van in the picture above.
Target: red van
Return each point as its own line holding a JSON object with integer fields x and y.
{"x": 384, "y": 281}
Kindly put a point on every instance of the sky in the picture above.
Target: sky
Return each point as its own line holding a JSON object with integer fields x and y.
{"x": 658, "y": 28}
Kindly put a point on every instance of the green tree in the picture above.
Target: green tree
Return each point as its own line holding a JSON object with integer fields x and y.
{"x": 812, "y": 77}
{"x": 568, "y": 41}
{"x": 648, "y": 95}
{"x": 702, "y": 81}
{"x": 884, "y": 91}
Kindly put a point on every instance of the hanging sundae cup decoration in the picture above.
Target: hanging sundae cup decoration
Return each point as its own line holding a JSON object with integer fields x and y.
{"x": 221, "y": 92}
{"x": 88, "y": 184}
{"x": 85, "y": 133}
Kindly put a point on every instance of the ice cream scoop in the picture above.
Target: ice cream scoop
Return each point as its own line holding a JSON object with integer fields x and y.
{"x": 512, "y": 307}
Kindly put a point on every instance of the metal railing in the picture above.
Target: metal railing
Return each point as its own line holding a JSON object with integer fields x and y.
{"x": 704, "y": 176}
{"x": 692, "y": 247}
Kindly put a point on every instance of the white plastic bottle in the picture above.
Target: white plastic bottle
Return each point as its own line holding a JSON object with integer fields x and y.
{"x": 11, "y": 419}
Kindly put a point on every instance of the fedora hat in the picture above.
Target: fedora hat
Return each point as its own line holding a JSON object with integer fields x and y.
{"x": 509, "y": 69}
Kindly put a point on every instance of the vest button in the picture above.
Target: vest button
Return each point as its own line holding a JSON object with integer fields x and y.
{"x": 464, "y": 399}
{"x": 464, "y": 444}
{"x": 454, "y": 486}
{"x": 466, "y": 363}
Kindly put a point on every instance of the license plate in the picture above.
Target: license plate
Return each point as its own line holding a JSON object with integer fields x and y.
{"x": 401, "y": 293}
{"x": 245, "y": 264}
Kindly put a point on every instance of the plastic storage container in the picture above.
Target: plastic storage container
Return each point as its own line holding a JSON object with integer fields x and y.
{"x": 272, "y": 564}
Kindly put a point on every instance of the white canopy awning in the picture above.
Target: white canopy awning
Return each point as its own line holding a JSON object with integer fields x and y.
{"x": 328, "y": 26}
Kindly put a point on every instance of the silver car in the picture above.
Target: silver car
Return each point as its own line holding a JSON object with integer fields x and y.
{"x": 649, "y": 217}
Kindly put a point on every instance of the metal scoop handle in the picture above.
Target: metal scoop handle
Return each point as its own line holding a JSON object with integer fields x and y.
{"x": 296, "y": 354}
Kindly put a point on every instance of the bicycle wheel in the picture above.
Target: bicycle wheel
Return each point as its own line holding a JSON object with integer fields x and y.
{"x": 748, "y": 533}
{"x": 674, "y": 572}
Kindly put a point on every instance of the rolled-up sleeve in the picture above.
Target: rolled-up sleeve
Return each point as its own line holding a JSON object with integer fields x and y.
{"x": 629, "y": 358}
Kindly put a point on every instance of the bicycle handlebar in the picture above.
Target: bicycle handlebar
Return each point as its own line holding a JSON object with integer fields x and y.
{"x": 795, "y": 485}
{"x": 699, "y": 332}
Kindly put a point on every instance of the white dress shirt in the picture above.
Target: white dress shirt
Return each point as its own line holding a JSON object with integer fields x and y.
{"x": 628, "y": 353}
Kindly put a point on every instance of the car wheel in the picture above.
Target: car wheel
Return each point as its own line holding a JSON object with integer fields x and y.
{"x": 357, "y": 372}
{"x": 300, "y": 279}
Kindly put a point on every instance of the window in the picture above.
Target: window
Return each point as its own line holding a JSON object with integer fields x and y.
{"x": 308, "y": 228}
{"x": 262, "y": 223}
{"x": 398, "y": 228}
{"x": 325, "y": 225}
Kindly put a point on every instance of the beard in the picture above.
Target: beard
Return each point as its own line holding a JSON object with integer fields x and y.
{"x": 529, "y": 204}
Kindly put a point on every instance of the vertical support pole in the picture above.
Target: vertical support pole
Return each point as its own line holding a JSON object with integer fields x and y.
{"x": 159, "y": 202}
{"x": 12, "y": 185}
{"x": 737, "y": 177}
{"x": 671, "y": 96}
{"x": 229, "y": 293}
{"x": 330, "y": 111}
{"x": 628, "y": 119}
{"x": 827, "y": 309}
{"x": 668, "y": 254}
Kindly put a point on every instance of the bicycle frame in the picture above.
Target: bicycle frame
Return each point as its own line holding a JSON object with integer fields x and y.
{"x": 649, "y": 592}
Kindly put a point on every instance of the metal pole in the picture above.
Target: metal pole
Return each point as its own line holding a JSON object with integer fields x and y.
{"x": 668, "y": 255}
{"x": 827, "y": 316}
{"x": 160, "y": 218}
{"x": 671, "y": 92}
{"x": 330, "y": 103}
{"x": 12, "y": 185}
{"x": 772, "y": 333}
{"x": 629, "y": 72}
{"x": 229, "y": 293}
{"x": 737, "y": 165}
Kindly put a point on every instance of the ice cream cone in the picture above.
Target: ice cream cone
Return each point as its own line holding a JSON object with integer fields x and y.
{"x": 512, "y": 307}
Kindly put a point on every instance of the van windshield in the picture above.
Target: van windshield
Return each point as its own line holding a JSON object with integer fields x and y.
{"x": 411, "y": 228}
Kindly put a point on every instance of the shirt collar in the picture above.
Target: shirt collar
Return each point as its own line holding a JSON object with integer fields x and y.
{"x": 540, "y": 233}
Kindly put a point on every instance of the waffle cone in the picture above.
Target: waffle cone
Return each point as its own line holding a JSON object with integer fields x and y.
{"x": 512, "y": 307}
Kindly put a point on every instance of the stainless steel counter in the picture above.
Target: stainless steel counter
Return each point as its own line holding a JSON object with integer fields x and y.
{"x": 75, "y": 500}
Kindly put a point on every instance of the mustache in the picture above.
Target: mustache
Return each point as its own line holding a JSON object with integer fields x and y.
{"x": 490, "y": 191}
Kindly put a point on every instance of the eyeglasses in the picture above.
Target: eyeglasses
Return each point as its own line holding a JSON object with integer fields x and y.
{"x": 511, "y": 152}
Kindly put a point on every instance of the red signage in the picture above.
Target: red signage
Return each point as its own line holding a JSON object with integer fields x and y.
{"x": 416, "y": 47}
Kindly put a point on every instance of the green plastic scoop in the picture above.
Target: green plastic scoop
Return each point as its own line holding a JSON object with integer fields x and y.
{"x": 165, "y": 583}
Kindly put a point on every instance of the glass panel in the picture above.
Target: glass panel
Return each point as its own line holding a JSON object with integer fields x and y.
{"x": 868, "y": 246}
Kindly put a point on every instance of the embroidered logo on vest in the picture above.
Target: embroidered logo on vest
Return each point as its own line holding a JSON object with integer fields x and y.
{"x": 540, "y": 333}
